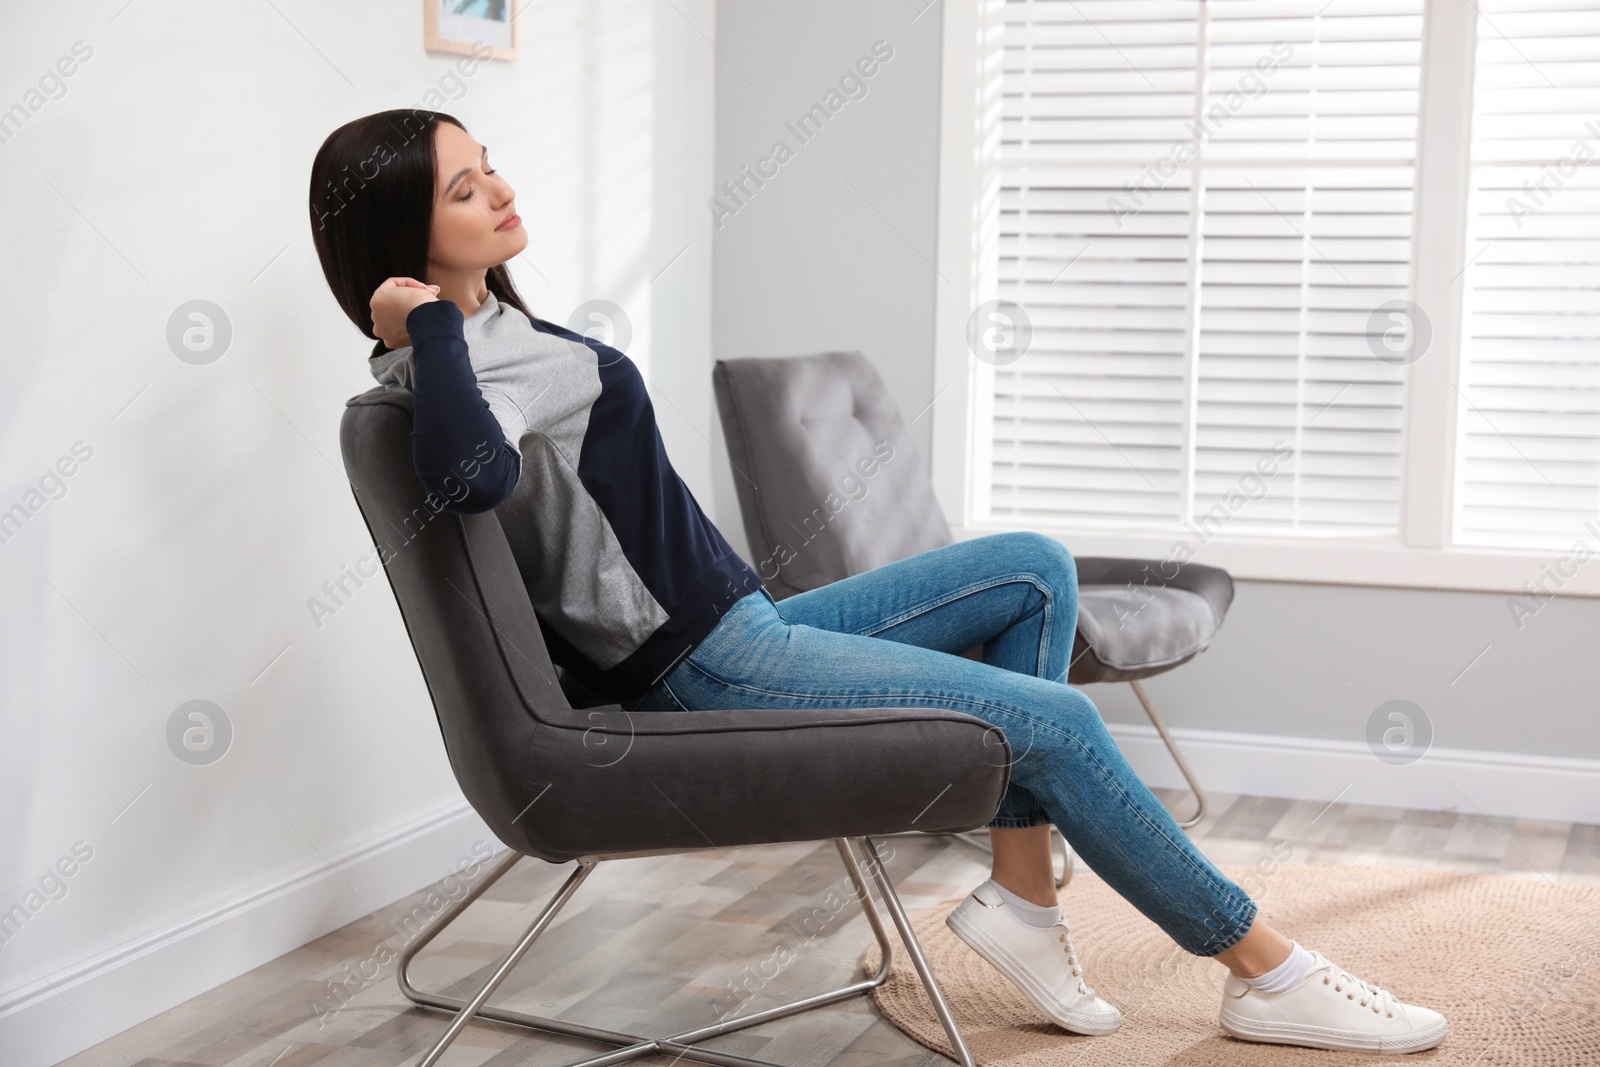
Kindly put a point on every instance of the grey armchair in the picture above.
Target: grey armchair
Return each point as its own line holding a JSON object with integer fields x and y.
{"x": 795, "y": 425}
{"x": 602, "y": 784}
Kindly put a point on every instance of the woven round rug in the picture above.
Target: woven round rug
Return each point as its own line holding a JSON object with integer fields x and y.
{"x": 1514, "y": 965}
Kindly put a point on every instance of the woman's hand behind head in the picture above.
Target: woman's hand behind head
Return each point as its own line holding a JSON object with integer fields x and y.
{"x": 392, "y": 302}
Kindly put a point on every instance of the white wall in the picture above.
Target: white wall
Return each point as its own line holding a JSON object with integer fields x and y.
{"x": 178, "y": 560}
{"x": 807, "y": 265}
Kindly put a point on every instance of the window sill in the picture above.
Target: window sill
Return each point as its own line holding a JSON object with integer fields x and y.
{"x": 1324, "y": 560}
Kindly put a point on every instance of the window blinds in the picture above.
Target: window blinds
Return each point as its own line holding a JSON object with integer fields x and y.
{"x": 1202, "y": 207}
{"x": 1528, "y": 447}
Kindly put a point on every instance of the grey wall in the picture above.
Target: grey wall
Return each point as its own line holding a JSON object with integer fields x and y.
{"x": 810, "y": 264}
{"x": 835, "y": 251}
{"x": 1317, "y": 660}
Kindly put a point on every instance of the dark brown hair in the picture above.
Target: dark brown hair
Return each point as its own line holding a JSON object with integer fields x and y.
{"x": 372, "y": 188}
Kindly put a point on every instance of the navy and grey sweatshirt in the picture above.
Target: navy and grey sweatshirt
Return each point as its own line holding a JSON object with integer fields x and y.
{"x": 556, "y": 433}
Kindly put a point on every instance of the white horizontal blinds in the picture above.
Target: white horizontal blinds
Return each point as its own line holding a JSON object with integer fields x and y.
{"x": 1528, "y": 466}
{"x": 1303, "y": 145}
{"x": 1309, "y": 140}
{"x": 1089, "y": 425}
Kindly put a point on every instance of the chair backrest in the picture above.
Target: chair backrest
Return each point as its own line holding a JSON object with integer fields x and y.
{"x": 829, "y": 478}
{"x": 496, "y": 694}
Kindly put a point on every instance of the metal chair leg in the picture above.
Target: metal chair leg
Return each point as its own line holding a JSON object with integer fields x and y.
{"x": 980, "y": 839}
{"x": 442, "y": 920}
{"x": 1177, "y": 757}
{"x": 1067, "y": 864}
{"x": 473, "y": 1006}
{"x": 918, "y": 960}
{"x": 680, "y": 1045}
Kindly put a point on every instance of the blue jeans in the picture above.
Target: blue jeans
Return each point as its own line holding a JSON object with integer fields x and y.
{"x": 893, "y": 637}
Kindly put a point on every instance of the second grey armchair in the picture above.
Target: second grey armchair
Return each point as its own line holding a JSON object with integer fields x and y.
{"x": 794, "y": 424}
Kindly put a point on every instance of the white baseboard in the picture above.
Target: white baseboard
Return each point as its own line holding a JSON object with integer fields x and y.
{"x": 61, "y": 1015}
{"x": 1554, "y": 788}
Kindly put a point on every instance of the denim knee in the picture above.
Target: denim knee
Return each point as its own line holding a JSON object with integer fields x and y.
{"x": 1043, "y": 557}
{"x": 1051, "y": 558}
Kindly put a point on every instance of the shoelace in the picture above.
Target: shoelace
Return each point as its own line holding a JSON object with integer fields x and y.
{"x": 1375, "y": 997}
{"x": 1065, "y": 937}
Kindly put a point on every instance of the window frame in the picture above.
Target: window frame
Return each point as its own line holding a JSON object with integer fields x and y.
{"x": 1422, "y": 554}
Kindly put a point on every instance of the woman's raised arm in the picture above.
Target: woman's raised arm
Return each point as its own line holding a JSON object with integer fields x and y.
{"x": 458, "y": 447}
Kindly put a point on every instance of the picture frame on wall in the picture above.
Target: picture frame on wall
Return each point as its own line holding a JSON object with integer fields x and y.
{"x": 463, "y": 27}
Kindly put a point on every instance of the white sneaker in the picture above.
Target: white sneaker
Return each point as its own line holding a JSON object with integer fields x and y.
{"x": 1332, "y": 1009}
{"x": 1040, "y": 961}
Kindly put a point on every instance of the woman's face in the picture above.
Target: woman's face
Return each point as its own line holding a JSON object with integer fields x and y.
{"x": 475, "y": 224}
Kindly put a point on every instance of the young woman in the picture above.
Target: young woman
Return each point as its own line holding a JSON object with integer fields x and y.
{"x": 642, "y": 598}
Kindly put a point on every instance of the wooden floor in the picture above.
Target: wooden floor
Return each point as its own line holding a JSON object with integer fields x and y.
{"x": 654, "y": 945}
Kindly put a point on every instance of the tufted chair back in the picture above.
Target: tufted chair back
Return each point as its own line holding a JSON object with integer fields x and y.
{"x": 813, "y": 440}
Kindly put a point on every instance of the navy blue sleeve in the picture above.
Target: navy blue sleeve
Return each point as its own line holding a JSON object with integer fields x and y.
{"x": 458, "y": 447}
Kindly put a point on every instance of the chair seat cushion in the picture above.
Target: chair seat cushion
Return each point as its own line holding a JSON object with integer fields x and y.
{"x": 608, "y": 780}
{"x": 1130, "y": 632}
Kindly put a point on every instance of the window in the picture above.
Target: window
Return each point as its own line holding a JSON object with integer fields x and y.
{"x": 1314, "y": 278}
{"x": 1528, "y": 455}
{"x": 1204, "y": 206}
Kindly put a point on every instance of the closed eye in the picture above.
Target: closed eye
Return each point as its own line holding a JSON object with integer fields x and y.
{"x": 471, "y": 191}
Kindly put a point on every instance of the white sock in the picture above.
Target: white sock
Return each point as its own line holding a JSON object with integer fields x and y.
{"x": 1026, "y": 910}
{"x": 1285, "y": 975}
